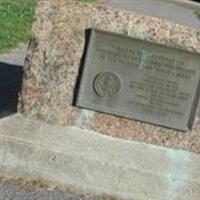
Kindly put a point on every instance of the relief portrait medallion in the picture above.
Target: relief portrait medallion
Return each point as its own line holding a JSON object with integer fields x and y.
{"x": 107, "y": 84}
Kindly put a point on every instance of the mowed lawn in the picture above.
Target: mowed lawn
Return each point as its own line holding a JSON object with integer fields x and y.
{"x": 15, "y": 22}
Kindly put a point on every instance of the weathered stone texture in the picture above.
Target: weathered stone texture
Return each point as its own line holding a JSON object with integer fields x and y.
{"x": 53, "y": 60}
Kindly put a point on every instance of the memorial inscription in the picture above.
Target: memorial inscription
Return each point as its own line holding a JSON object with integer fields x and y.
{"x": 140, "y": 80}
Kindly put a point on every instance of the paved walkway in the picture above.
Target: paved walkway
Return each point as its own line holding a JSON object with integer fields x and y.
{"x": 181, "y": 13}
{"x": 87, "y": 161}
{"x": 15, "y": 57}
{"x": 12, "y": 191}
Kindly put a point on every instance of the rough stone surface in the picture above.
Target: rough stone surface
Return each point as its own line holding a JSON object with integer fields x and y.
{"x": 53, "y": 60}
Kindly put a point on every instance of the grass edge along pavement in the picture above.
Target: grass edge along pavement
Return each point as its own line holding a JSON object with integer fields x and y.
{"x": 48, "y": 186}
{"x": 197, "y": 13}
{"x": 16, "y": 18}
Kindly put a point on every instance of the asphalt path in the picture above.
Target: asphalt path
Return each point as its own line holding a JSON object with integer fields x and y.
{"x": 181, "y": 12}
{"x": 13, "y": 191}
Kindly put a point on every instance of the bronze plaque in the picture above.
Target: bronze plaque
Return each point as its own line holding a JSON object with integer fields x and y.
{"x": 140, "y": 80}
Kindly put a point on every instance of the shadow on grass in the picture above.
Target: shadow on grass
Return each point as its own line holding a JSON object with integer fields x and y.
{"x": 10, "y": 86}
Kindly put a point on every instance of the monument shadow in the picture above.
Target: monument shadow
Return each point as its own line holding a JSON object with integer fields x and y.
{"x": 78, "y": 80}
{"x": 10, "y": 86}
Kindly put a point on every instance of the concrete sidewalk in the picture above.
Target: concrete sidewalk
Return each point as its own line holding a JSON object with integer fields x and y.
{"x": 15, "y": 56}
{"x": 97, "y": 164}
{"x": 180, "y": 12}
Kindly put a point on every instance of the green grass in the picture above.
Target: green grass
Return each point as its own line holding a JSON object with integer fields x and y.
{"x": 197, "y": 12}
{"x": 15, "y": 22}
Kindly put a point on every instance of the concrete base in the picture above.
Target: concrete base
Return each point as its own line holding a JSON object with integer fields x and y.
{"x": 15, "y": 56}
{"x": 95, "y": 163}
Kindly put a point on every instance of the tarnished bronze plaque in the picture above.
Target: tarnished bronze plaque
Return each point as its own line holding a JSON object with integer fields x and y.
{"x": 140, "y": 80}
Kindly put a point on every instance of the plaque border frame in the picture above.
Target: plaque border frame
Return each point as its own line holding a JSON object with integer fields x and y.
{"x": 196, "y": 99}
